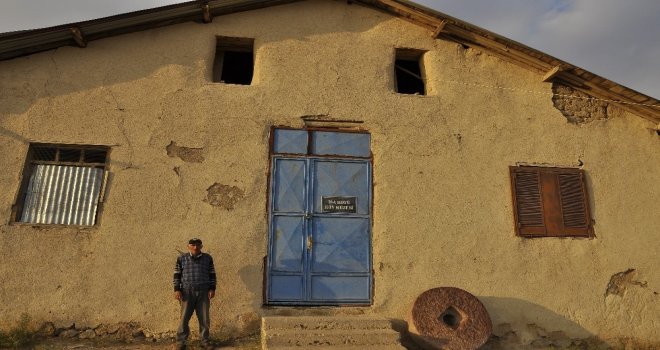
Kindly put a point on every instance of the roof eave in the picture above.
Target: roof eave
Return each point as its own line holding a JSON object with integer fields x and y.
{"x": 440, "y": 25}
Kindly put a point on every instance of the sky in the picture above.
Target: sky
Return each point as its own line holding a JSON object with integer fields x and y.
{"x": 616, "y": 39}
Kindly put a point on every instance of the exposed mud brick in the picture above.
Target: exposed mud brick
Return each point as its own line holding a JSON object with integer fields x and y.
{"x": 619, "y": 282}
{"x": 578, "y": 107}
{"x": 450, "y": 319}
{"x": 224, "y": 196}
{"x": 187, "y": 154}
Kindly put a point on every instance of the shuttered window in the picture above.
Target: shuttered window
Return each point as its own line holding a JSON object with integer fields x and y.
{"x": 61, "y": 185}
{"x": 550, "y": 202}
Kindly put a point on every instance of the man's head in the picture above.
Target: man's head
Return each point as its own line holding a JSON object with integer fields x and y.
{"x": 195, "y": 246}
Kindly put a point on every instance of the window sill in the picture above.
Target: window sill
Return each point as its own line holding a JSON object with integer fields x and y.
{"x": 412, "y": 95}
{"x": 26, "y": 224}
{"x": 227, "y": 84}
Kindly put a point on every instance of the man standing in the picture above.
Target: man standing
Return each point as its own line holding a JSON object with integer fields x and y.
{"x": 194, "y": 287}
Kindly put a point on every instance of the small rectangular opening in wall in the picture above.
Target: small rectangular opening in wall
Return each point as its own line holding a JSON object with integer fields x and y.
{"x": 408, "y": 72}
{"x": 234, "y": 60}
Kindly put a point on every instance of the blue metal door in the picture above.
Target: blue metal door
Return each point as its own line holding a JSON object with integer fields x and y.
{"x": 320, "y": 227}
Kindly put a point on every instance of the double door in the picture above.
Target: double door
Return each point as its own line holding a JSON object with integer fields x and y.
{"x": 320, "y": 231}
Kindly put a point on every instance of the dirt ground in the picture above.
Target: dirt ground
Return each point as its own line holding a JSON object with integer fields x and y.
{"x": 251, "y": 343}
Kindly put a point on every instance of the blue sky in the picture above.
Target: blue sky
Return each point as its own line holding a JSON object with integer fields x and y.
{"x": 617, "y": 39}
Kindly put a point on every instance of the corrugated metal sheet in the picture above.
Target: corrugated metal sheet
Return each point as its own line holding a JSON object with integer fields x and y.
{"x": 59, "y": 194}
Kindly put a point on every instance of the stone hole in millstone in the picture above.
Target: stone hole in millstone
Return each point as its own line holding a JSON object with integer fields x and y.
{"x": 451, "y": 317}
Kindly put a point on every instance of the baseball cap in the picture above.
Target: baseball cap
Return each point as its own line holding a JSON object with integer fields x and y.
{"x": 195, "y": 241}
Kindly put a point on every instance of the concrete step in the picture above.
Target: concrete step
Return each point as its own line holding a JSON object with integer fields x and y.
{"x": 346, "y": 347}
{"x": 333, "y": 338}
{"x": 324, "y": 322}
{"x": 328, "y": 332}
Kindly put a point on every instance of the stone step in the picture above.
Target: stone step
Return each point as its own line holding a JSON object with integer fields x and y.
{"x": 346, "y": 347}
{"x": 328, "y": 332}
{"x": 335, "y": 337}
{"x": 324, "y": 322}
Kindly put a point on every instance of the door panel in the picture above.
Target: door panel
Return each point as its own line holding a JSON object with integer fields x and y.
{"x": 286, "y": 288}
{"x": 287, "y": 244}
{"x": 289, "y": 189}
{"x": 342, "y": 178}
{"x": 319, "y": 257}
{"x": 346, "y": 289}
{"x": 341, "y": 245}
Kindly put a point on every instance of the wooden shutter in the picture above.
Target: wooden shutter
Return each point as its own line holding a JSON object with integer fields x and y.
{"x": 574, "y": 204}
{"x": 528, "y": 206}
{"x": 550, "y": 202}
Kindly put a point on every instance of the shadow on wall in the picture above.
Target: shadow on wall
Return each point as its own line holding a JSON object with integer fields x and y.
{"x": 522, "y": 325}
{"x": 534, "y": 327}
{"x": 153, "y": 53}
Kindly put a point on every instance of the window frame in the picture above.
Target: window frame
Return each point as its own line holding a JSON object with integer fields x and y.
{"x": 562, "y": 208}
{"x": 31, "y": 163}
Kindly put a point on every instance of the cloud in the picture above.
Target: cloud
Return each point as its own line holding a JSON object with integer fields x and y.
{"x": 32, "y": 14}
{"x": 615, "y": 39}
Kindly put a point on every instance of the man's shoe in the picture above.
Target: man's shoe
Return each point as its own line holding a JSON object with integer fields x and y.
{"x": 181, "y": 347}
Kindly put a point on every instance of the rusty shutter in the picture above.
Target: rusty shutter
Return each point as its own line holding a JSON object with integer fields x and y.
{"x": 550, "y": 202}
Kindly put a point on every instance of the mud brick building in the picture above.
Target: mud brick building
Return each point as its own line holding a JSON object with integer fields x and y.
{"x": 335, "y": 157}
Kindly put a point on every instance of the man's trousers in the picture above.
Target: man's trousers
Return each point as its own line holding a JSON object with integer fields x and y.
{"x": 196, "y": 301}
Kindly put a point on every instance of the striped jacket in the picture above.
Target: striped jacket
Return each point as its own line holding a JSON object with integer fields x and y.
{"x": 194, "y": 272}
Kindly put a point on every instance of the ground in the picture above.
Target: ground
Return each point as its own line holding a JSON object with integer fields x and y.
{"x": 249, "y": 343}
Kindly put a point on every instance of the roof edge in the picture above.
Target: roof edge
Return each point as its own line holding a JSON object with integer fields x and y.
{"x": 440, "y": 25}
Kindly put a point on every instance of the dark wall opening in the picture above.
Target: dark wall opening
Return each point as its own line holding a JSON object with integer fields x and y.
{"x": 234, "y": 61}
{"x": 408, "y": 71}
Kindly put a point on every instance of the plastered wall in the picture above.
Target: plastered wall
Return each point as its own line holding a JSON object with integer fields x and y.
{"x": 442, "y": 200}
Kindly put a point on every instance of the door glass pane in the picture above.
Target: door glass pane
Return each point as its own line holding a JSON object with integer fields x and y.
{"x": 290, "y": 141}
{"x": 341, "y": 143}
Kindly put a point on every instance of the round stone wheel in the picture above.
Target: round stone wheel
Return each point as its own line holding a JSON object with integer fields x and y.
{"x": 449, "y": 318}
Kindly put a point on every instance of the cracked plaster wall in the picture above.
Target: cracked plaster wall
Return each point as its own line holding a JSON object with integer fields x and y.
{"x": 442, "y": 210}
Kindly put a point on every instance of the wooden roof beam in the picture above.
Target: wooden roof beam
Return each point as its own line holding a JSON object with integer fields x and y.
{"x": 440, "y": 29}
{"x": 551, "y": 74}
{"x": 78, "y": 36}
{"x": 206, "y": 13}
